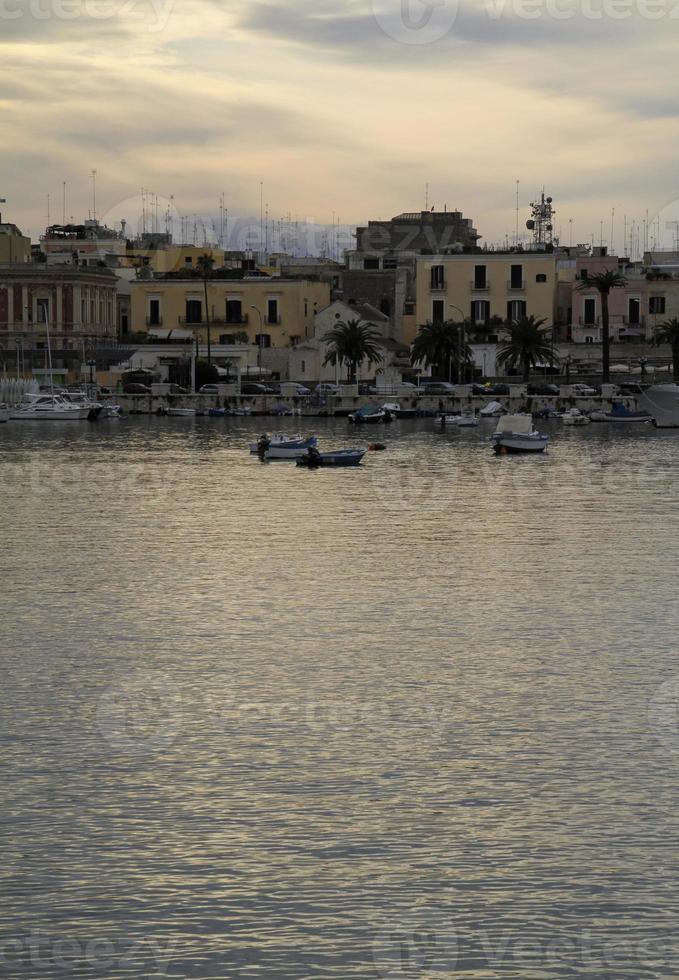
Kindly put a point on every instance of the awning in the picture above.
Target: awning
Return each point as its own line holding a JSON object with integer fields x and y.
{"x": 171, "y": 334}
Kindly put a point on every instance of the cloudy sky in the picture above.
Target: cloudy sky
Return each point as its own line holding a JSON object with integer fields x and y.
{"x": 342, "y": 106}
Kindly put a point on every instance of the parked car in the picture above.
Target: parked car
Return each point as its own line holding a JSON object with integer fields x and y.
{"x": 176, "y": 390}
{"x": 209, "y": 390}
{"x": 437, "y": 388}
{"x": 293, "y": 388}
{"x": 580, "y": 389}
{"x": 489, "y": 389}
{"x": 543, "y": 389}
{"x": 326, "y": 388}
{"x": 136, "y": 389}
{"x": 255, "y": 388}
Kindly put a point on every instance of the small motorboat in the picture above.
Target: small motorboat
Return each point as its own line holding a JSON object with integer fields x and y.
{"x": 110, "y": 411}
{"x": 492, "y": 410}
{"x": 395, "y": 409}
{"x": 620, "y": 413}
{"x": 370, "y": 415}
{"x": 218, "y": 413}
{"x": 340, "y": 457}
{"x": 515, "y": 434}
{"x": 575, "y": 417}
{"x": 182, "y": 413}
{"x": 51, "y": 408}
{"x": 444, "y": 419}
{"x": 4, "y": 413}
{"x": 268, "y": 443}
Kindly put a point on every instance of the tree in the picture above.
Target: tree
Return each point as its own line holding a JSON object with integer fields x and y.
{"x": 204, "y": 266}
{"x": 206, "y": 374}
{"x": 603, "y": 282}
{"x": 528, "y": 345}
{"x": 667, "y": 332}
{"x": 351, "y": 343}
{"x": 442, "y": 346}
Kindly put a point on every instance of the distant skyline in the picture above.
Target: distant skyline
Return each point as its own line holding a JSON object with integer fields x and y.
{"x": 344, "y": 108}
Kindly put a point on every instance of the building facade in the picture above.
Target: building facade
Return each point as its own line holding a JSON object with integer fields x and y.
{"x": 487, "y": 288}
{"x": 266, "y": 312}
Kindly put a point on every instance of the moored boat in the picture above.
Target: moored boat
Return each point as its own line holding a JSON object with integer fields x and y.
{"x": 49, "y": 408}
{"x": 396, "y": 410}
{"x": 662, "y": 404}
{"x": 340, "y": 457}
{"x": 266, "y": 443}
{"x": 515, "y": 434}
{"x": 370, "y": 415}
{"x": 575, "y": 417}
{"x": 4, "y": 413}
{"x": 181, "y": 412}
{"x": 492, "y": 410}
{"x": 620, "y": 413}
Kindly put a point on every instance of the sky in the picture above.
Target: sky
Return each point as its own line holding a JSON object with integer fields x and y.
{"x": 343, "y": 109}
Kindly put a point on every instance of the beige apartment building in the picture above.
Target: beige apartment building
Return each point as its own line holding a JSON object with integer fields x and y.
{"x": 14, "y": 247}
{"x": 268, "y": 312}
{"x": 486, "y": 288}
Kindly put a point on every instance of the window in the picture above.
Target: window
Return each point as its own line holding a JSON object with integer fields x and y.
{"x": 188, "y": 260}
{"x": 634, "y": 311}
{"x": 303, "y": 367}
{"x": 194, "y": 311}
{"x": 590, "y": 311}
{"x": 371, "y": 263}
{"x": 656, "y": 304}
{"x": 154, "y": 312}
{"x": 272, "y": 311}
{"x": 480, "y": 277}
{"x": 390, "y": 263}
{"x": 436, "y": 273}
{"x": 438, "y": 311}
{"x": 263, "y": 340}
{"x": 408, "y": 308}
{"x": 234, "y": 311}
{"x": 306, "y": 307}
{"x": 385, "y": 306}
{"x": 227, "y": 338}
{"x": 589, "y": 340}
{"x": 42, "y": 309}
{"x": 480, "y": 311}
{"x": 583, "y": 273}
{"x": 541, "y": 277}
{"x": 516, "y": 308}
{"x": 516, "y": 277}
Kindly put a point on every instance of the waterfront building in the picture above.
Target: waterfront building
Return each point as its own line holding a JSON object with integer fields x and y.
{"x": 628, "y": 306}
{"x": 80, "y": 304}
{"x": 14, "y": 247}
{"x": 260, "y": 310}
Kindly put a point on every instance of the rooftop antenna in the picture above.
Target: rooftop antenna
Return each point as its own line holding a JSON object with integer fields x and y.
{"x": 261, "y": 213}
{"x": 48, "y": 210}
{"x": 63, "y": 201}
{"x": 3, "y": 200}
{"x": 516, "y": 235}
{"x": 426, "y": 197}
{"x": 612, "y": 221}
{"x": 570, "y": 232}
{"x": 94, "y": 194}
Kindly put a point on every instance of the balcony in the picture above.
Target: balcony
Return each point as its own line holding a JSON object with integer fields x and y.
{"x": 274, "y": 321}
{"x": 516, "y": 284}
{"x": 190, "y": 321}
{"x": 438, "y": 287}
{"x": 154, "y": 321}
{"x": 479, "y": 287}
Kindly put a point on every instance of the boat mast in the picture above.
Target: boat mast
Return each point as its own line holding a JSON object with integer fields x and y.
{"x": 49, "y": 348}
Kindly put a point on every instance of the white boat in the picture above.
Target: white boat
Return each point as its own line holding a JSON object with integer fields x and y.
{"x": 467, "y": 420}
{"x": 49, "y": 408}
{"x": 82, "y": 400}
{"x": 575, "y": 417}
{"x": 444, "y": 419}
{"x": 280, "y": 441}
{"x": 492, "y": 410}
{"x": 620, "y": 414}
{"x": 4, "y": 413}
{"x": 110, "y": 411}
{"x": 662, "y": 404}
{"x": 181, "y": 412}
{"x": 395, "y": 409}
{"x": 515, "y": 434}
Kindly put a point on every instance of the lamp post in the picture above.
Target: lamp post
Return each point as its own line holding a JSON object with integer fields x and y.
{"x": 642, "y": 364}
{"x": 567, "y": 366}
{"x": 460, "y": 341}
{"x": 91, "y": 365}
{"x": 259, "y": 345}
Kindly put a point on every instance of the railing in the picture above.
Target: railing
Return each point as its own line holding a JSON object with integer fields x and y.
{"x": 191, "y": 321}
{"x": 438, "y": 287}
{"x": 156, "y": 321}
{"x": 229, "y": 321}
{"x": 272, "y": 321}
{"x": 516, "y": 284}
{"x": 478, "y": 287}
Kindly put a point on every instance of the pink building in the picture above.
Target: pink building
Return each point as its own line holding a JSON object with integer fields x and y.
{"x": 628, "y": 305}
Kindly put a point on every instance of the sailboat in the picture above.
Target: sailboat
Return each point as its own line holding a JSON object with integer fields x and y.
{"x": 49, "y": 407}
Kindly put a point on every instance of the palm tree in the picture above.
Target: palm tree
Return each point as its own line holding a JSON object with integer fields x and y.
{"x": 528, "y": 345}
{"x": 204, "y": 266}
{"x": 441, "y": 345}
{"x": 351, "y": 343}
{"x": 603, "y": 282}
{"x": 667, "y": 332}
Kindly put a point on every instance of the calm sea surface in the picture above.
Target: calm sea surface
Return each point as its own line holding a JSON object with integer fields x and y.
{"x": 416, "y": 720}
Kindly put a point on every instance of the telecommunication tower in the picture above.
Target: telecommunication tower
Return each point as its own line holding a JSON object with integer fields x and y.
{"x": 542, "y": 222}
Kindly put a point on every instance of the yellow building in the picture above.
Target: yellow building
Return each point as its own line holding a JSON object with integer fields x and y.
{"x": 14, "y": 247}
{"x": 240, "y": 309}
{"x": 171, "y": 258}
{"x": 485, "y": 288}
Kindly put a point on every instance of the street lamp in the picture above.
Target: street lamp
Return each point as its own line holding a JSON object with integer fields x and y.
{"x": 567, "y": 365}
{"x": 259, "y": 346}
{"x": 461, "y": 341}
{"x": 91, "y": 365}
{"x": 642, "y": 364}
